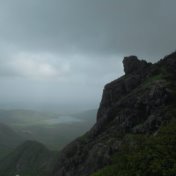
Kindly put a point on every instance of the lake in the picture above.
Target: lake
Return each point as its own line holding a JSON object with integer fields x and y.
{"x": 62, "y": 119}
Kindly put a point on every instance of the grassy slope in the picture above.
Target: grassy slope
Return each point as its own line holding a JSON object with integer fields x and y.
{"x": 154, "y": 155}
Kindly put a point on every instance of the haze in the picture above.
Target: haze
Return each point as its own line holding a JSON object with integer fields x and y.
{"x": 59, "y": 54}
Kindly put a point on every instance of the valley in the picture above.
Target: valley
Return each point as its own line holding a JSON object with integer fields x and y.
{"x": 53, "y": 130}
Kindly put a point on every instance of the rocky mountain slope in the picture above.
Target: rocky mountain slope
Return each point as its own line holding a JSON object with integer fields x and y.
{"x": 139, "y": 103}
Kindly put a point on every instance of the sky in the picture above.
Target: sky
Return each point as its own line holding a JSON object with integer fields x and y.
{"x": 60, "y": 53}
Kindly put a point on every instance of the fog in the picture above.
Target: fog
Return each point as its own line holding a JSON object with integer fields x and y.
{"x": 58, "y": 54}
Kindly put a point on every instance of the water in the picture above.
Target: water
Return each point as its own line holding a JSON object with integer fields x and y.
{"x": 62, "y": 119}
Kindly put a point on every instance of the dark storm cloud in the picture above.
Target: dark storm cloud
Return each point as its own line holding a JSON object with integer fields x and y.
{"x": 48, "y": 45}
{"x": 90, "y": 26}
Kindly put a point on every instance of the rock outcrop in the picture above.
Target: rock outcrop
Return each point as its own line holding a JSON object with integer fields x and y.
{"x": 133, "y": 65}
{"x": 138, "y": 102}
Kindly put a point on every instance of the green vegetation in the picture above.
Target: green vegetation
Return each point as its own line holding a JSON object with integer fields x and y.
{"x": 29, "y": 159}
{"x": 154, "y": 155}
{"x": 160, "y": 73}
{"x": 152, "y": 79}
{"x": 9, "y": 140}
{"x": 4, "y": 151}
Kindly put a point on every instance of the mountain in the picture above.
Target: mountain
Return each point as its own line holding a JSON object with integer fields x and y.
{"x": 53, "y": 130}
{"x": 56, "y": 136}
{"x": 135, "y": 129}
{"x": 33, "y": 158}
{"x": 9, "y": 139}
{"x": 29, "y": 159}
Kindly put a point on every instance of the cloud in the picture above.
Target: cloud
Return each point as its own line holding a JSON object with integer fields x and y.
{"x": 65, "y": 50}
{"x": 98, "y": 27}
{"x": 33, "y": 66}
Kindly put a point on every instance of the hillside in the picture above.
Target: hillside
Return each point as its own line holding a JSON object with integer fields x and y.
{"x": 53, "y": 130}
{"x": 29, "y": 159}
{"x": 33, "y": 158}
{"x": 9, "y": 139}
{"x": 145, "y": 155}
{"x": 135, "y": 129}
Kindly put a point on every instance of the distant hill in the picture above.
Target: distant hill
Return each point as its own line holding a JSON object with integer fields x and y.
{"x": 9, "y": 139}
{"x": 24, "y": 117}
{"x": 89, "y": 115}
{"x": 56, "y": 136}
{"x": 29, "y": 159}
{"x": 36, "y": 125}
{"x": 33, "y": 158}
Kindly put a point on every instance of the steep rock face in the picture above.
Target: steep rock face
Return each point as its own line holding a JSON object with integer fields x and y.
{"x": 135, "y": 72}
{"x": 137, "y": 102}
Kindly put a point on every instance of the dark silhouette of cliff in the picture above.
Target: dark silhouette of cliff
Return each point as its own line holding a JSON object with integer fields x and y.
{"x": 138, "y": 103}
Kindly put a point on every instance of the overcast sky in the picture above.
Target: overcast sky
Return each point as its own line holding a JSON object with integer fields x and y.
{"x": 62, "y": 52}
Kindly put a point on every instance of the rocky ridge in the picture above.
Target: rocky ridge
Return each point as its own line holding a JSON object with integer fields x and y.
{"x": 136, "y": 103}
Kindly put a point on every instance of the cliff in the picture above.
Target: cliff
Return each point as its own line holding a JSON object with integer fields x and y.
{"x": 138, "y": 103}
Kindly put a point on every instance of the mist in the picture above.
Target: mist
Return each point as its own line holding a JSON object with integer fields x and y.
{"x": 58, "y": 55}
